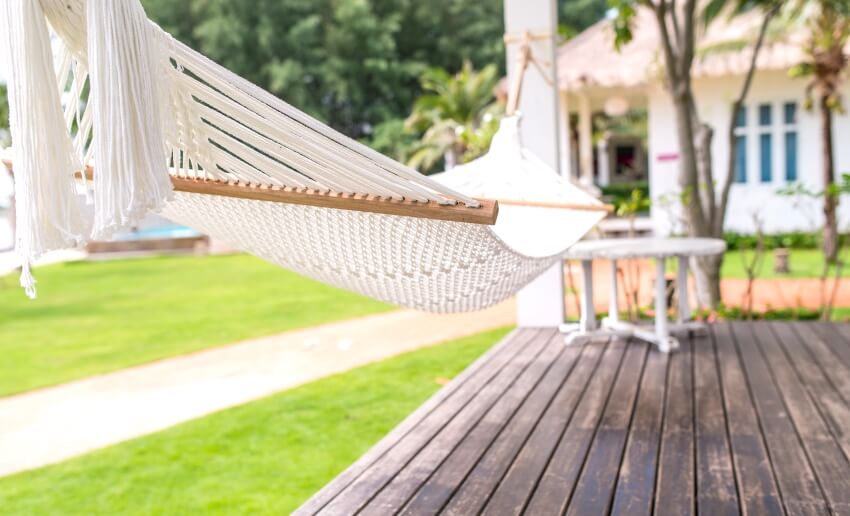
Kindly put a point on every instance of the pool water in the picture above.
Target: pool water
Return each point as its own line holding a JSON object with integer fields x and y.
{"x": 160, "y": 232}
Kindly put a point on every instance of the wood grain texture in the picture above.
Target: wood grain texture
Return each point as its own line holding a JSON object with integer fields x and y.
{"x": 750, "y": 419}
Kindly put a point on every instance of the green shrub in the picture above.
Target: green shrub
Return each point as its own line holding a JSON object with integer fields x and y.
{"x": 791, "y": 240}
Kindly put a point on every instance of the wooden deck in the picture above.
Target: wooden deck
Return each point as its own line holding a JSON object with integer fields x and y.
{"x": 753, "y": 418}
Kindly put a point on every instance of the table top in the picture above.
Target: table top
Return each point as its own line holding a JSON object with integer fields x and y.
{"x": 615, "y": 248}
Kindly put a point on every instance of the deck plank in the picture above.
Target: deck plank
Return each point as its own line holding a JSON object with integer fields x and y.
{"x": 716, "y": 487}
{"x": 519, "y": 477}
{"x": 595, "y": 488}
{"x": 757, "y": 487}
{"x": 674, "y": 492}
{"x": 392, "y": 457}
{"x": 795, "y": 476}
{"x": 832, "y": 367}
{"x": 753, "y": 419}
{"x": 829, "y": 463}
{"x": 636, "y": 481}
{"x": 492, "y": 462}
{"x": 391, "y": 496}
{"x": 440, "y": 485}
{"x": 834, "y": 409}
{"x": 554, "y": 487}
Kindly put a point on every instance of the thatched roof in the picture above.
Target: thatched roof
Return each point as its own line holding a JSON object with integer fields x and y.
{"x": 590, "y": 58}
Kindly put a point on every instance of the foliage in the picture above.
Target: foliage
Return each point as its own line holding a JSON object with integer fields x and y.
{"x": 393, "y": 139}
{"x": 620, "y": 193}
{"x": 678, "y": 26}
{"x": 96, "y": 317}
{"x": 576, "y": 15}
{"x": 4, "y": 116}
{"x": 456, "y": 117}
{"x": 352, "y": 63}
{"x": 828, "y": 25}
{"x": 265, "y": 457}
{"x": 731, "y": 313}
{"x": 637, "y": 202}
{"x": 790, "y": 240}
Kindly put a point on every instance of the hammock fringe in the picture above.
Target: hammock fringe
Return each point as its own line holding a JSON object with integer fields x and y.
{"x": 48, "y": 213}
{"x": 128, "y": 138}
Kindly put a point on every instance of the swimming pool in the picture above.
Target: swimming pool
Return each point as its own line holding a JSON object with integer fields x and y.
{"x": 160, "y": 232}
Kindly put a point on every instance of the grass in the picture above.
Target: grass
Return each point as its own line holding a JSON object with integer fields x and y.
{"x": 803, "y": 263}
{"x": 265, "y": 457}
{"x": 95, "y": 317}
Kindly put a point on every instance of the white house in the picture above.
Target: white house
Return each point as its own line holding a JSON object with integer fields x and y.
{"x": 779, "y": 140}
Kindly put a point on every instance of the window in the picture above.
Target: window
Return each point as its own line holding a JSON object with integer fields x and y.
{"x": 765, "y": 115}
{"x": 740, "y": 158}
{"x": 757, "y": 131}
{"x": 790, "y": 130}
{"x": 791, "y": 156}
{"x": 765, "y": 143}
{"x": 765, "y": 154}
{"x": 741, "y": 145}
{"x": 790, "y": 110}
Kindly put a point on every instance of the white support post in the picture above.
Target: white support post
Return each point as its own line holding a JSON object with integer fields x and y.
{"x": 541, "y": 303}
{"x": 613, "y": 296}
{"x": 602, "y": 162}
{"x": 587, "y": 322}
{"x": 661, "y": 330}
{"x": 565, "y": 130}
{"x": 585, "y": 140}
{"x": 682, "y": 290}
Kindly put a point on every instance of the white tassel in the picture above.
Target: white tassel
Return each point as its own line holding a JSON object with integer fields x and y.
{"x": 28, "y": 281}
{"x": 48, "y": 211}
{"x": 131, "y": 174}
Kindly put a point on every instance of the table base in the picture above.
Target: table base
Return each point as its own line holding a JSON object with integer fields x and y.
{"x": 621, "y": 329}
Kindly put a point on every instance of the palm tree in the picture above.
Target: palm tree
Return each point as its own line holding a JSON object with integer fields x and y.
{"x": 456, "y": 117}
{"x": 826, "y": 64}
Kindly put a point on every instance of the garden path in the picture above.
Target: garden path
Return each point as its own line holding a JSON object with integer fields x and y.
{"x": 49, "y": 425}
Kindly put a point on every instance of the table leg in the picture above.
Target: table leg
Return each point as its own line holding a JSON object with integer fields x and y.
{"x": 613, "y": 301}
{"x": 682, "y": 289}
{"x": 588, "y": 312}
{"x": 661, "y": 331}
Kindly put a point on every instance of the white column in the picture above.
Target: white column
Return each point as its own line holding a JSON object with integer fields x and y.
{"x": 613, "y": 296}
{"x": 564, "y": 129}
{"x": 682, "y": 289}
{"x": 602, "y": 162}
{"x": 541, "y": 303}
{"x": 585, "y": 140}
{"x": 661, "y": 331}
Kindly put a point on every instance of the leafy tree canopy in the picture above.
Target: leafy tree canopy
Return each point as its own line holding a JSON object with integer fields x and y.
{"x": 352, "y": 63}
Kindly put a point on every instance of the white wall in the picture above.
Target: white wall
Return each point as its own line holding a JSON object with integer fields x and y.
{"x": 714, "y": 99}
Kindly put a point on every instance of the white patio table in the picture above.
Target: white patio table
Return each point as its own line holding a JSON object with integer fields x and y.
{"x": 625, "y": 248}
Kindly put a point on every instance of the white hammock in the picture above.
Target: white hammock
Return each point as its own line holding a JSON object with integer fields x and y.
{"x": 217, "y": 127}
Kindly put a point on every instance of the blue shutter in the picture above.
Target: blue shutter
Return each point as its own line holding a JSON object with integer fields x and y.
{"x": 741, "y": 159}
{"x": 766, "y": 156}
{"x": 791, "y": 156}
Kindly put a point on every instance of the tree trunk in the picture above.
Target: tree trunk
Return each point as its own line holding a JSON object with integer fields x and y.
{"x": 830, "y": 200}
{"x": 707, "y": 275}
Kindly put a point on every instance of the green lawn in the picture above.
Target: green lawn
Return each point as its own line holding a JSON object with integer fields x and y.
{"x": 803, "y": 263}
{"x": 94, "y": 317}
{"x": 266, "y": 457}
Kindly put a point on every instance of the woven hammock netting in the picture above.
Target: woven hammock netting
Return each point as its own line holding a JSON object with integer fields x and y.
{"x": 215, "y": 125}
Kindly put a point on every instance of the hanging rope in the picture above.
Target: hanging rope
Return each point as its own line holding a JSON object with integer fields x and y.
{"x": 525, "y": 57}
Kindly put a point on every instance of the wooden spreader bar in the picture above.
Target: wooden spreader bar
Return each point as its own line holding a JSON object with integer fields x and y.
{"x": 486, "y": 213}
